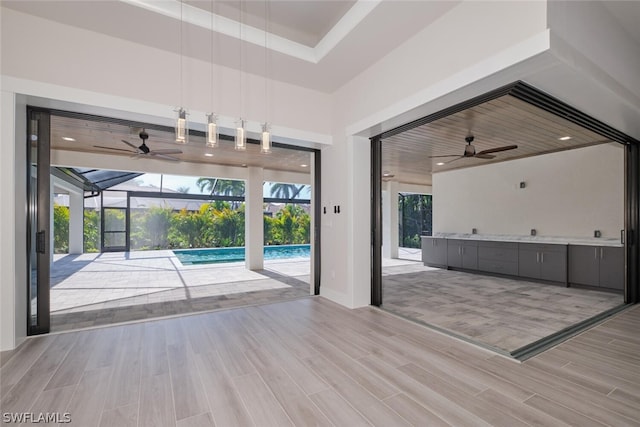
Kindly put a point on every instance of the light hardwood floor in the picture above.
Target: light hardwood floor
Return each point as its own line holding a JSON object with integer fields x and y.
{"x": 311, "y": 362}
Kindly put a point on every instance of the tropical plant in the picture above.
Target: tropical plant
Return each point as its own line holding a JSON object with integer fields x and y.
{"x": 414, "y": 217}
{"x": 91, "y": 230}
{"x": 286, "y": 191}
{"x": 228, "y": 226}
{"x": 291, "y": 225}
{"x": 150, "y": 228}
{"x": 187, "y": 229}
{"x": 221, "y": 187}
{"x": 60, "y": 229}
{"x": 183, "y": 190}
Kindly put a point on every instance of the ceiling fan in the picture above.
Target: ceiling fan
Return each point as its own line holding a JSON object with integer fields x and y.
{"x": 143, "y": 150}
{"x": 470, "y": 151}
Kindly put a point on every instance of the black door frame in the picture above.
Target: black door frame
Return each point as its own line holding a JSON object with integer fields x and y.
{"x": 550, "y": 104}
{"x": 43, "y": 130}
{"x": 38, "y": 220}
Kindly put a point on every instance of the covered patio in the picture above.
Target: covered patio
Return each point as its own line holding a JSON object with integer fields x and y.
{"x": 97, "y": 289}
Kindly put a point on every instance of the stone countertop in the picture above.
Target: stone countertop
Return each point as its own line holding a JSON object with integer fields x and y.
{"x": 532, "y": 239}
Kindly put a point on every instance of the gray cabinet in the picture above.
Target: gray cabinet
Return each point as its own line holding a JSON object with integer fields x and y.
{"x": 540, "y": 261}
{"x": 498, "y": 257}
{"x": 584, "y": 265}
{"x": 612, "y": 268}
{"x": 434, "y": 251}
{"x": 601, "y": 266}
{"x": 462, "y": 254}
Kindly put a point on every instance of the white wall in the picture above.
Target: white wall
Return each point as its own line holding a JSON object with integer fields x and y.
{"x": 71, "y": 57}
{"x": 473, "y": 48}
{"x": 568, "y": 194}
{"x": 402, "y": 80}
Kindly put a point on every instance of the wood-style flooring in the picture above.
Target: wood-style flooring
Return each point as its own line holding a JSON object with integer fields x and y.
{"x": 311, "y": 362}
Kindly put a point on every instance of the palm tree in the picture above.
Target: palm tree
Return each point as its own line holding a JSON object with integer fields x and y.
{"x": 221, "y": 187}
{"x": 183, "y": 190}
{"x": 285, "y": 191}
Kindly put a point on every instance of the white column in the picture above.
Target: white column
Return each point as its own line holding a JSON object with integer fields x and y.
{"x": 76, "y": 220}
{"x": 390, "y": 230}
{"x": 253, "y": 219}
{"x": 8, "y": 175}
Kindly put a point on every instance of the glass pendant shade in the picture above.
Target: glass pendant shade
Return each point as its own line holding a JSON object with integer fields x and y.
{"x": 265, "y": 145}
{"x": 182, "y": 130}
{"x": 241, "y": 140}
{"x": 212, "y": 131}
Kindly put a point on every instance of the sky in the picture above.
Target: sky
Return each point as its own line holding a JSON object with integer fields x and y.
{"x": 174, "y": 182}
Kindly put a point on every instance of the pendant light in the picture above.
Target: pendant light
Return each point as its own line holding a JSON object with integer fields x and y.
{"x": 212, "y": 118}
{"x": 212, "y": 130}
{"x": 182, "y": 128}
{"x": 265, "y": 143}
{"x": 241, "y": 136}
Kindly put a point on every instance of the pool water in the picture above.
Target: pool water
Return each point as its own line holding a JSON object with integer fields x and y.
{"x": 219, "y": 255}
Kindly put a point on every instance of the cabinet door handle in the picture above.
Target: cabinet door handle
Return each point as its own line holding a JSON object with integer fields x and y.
{"x": 542, "y": 257}
{"x": 601, "y": 253}
{"x": 537, "y": 256}
{"x": 595, "y": 253}
{"x": 462, "y": 250}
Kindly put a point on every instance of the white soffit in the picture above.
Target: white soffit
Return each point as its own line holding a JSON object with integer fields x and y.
{"x": 229, "y": 27}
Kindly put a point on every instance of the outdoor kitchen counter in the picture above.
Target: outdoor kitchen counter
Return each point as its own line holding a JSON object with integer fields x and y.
{"x": 594, "y": 262}
{"x": 549, "y": 240}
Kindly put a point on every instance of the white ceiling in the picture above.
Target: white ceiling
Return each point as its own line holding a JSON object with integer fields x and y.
{"x": 627, "y": 13}
{"x": 352, "y": 35}
{"x": 302, "y": 21}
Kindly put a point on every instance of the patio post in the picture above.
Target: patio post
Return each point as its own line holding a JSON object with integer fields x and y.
{"x": 254, "y": 222}
{"x": 390, "y": 229}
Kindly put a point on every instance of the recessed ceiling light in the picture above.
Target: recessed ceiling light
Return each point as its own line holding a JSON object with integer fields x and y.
{"x": 66, "y": 138}
{"x": 565, "y": 138}
{"x": 304, "y": 166}
{"x": 439, "y": 164}
{"x": 208, "y": 154}
{"x": 387, "y": 174}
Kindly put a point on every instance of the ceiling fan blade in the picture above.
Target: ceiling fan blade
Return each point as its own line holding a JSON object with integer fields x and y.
{"x": 131, "y": 145}
{"x": 451, "y": 161}
{"x": 164, "y": 157}
{"x": 111, "y": 148}
{"x": 166, "y": 151}
{"x": 485, "y": 156}
{"x": 447, "y": 155}
{"x": 137, "y": 155}
{"x": 497, "y": 149}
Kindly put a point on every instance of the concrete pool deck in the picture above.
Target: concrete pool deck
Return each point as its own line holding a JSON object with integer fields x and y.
{"x": 96, "y": 289}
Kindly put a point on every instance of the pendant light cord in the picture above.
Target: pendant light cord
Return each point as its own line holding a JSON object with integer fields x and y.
{"x": 212, "y": 85}
{"x": 181, "y": 43}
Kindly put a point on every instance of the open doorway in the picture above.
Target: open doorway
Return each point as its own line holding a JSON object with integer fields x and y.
{"x": 519, "y": 196}
{"x": 150, "y": 238}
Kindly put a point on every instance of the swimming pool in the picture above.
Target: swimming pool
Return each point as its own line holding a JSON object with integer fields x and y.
{"x": 219, "y": 255}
